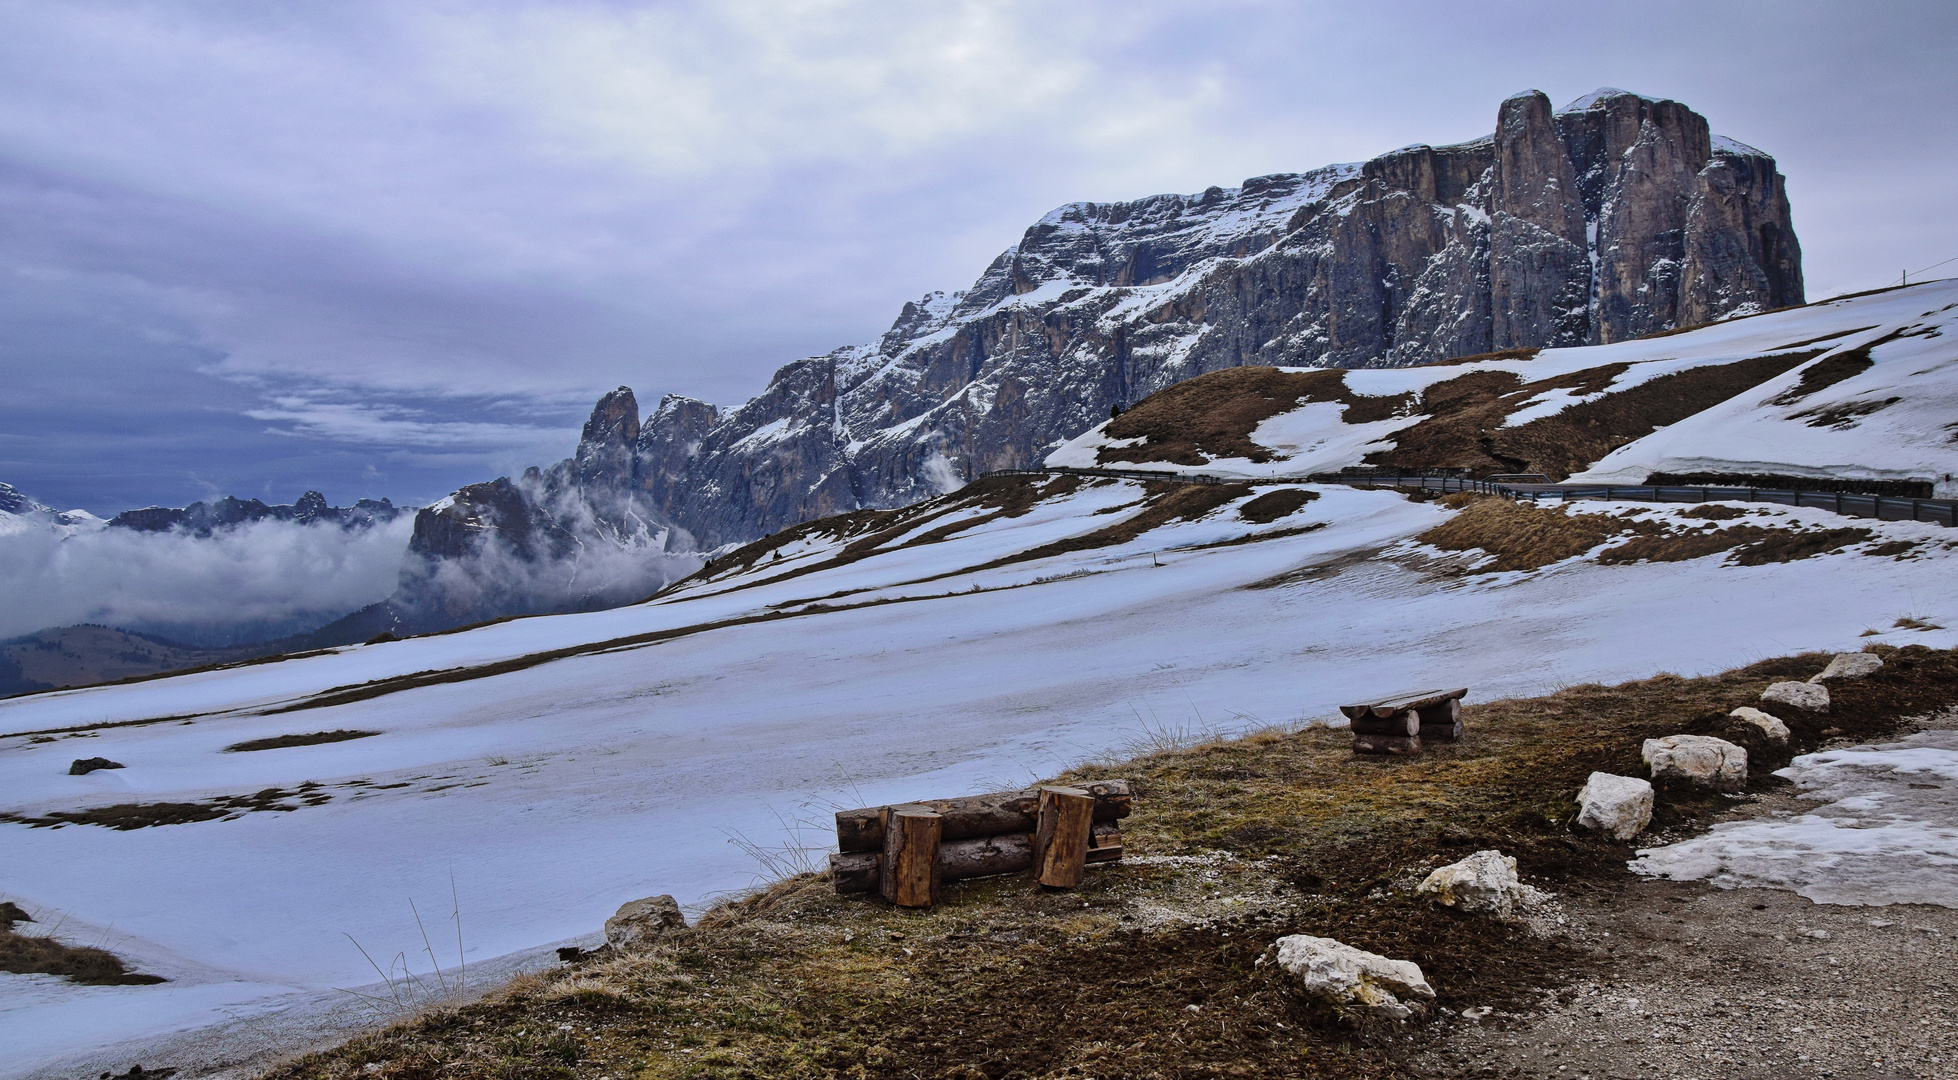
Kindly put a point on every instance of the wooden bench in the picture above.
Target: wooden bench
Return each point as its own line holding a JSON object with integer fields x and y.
{"x": 1398, "y": 724}
{"x": 907, "y": 851}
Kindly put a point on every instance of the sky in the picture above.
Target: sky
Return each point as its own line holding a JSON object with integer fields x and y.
{"x": 383, "y": 250}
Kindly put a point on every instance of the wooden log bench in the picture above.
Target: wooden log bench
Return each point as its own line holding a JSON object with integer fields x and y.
{"x": 1401, "y": 723}
{"x": 905, "y": 852}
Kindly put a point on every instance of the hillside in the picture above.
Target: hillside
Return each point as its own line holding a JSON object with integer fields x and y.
{"x": 970, "y": 642}
{"x": 1861, "y": 388}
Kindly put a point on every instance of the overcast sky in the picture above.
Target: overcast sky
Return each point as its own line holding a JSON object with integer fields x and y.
{"x": 387, "y": 249}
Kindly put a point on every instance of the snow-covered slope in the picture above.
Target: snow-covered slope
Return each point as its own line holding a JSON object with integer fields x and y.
{"x": 554, "y": 767}
{"x": 1864, "y": 387}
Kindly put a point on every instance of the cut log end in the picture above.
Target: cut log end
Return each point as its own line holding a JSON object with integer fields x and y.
{"x": 1060, "y": 842}
{"x": 911, "y": 872}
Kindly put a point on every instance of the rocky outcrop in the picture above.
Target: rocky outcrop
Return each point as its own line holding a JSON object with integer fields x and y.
{"x": 1616, "y": 216}
{"x": 1800, "y": 696}
{"x": 1848, "y": 667}
{"x": 1700, "y": 761}
{"x": 1350, "y": 980}
{"x": 641, "y": 923}
{"x": 1618, "y": 806}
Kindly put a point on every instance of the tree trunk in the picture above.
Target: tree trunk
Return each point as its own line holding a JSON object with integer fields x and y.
{"x": 1001, "y": 813}
{"x": 911, "y": 836}
{"x": 1060, "y": 842}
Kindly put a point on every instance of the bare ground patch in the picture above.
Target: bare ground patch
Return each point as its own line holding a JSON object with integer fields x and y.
{"x": 127, "y": 816}
{"x": 32, "y": 954}
{"x": 278, "y": 742}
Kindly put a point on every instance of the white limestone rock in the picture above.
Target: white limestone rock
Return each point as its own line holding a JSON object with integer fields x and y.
{"x": 1351, "y": 979}
{"x": 1618, "y": 806}
{"x": 1849, "y": 666}
{"x": 642, "y": 922}
{"x": 1771, "y": 726}
{"x": 1807, "y": 697}
{"x": 1699, "y": 760}
{"x": 1483, "y": 883}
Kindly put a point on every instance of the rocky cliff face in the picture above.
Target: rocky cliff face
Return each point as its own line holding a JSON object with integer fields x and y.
{"x": 1614, "y": 217}
{"x": 582, "y": 534}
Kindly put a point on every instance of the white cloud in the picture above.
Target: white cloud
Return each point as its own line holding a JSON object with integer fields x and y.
{"x": 264, "y": 574}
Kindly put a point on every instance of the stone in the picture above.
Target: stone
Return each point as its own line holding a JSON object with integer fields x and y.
{"x": 1849, "y": 666}
{"x": 1350, "y": 979}
{"x": 1485, "y": 883}
{"x": 642, "y": 922}
{"x": 1698, "y": 760}
{"x": 84, "y": 766}
{"x": 1618, "y": 806}
{"x": 1771, "y": 726}
{"x": 1801, "y": 696}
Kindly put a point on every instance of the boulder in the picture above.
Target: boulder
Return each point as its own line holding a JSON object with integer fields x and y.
{"x": 1806, "y": 697}
{"x": 1350, "y": 979}
{"x": 84, "y": 766}
{"x": 1849, "y": 666}
{"x": 1698, "y": 760}
{"x": 1618, "y": 806}
{"x": 643, "y": 922}
{"x": 1771, "y": 727}
{"x": 1483, "y": 883}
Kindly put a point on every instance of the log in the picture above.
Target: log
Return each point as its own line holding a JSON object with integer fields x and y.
{"x": 1416, "y": 699}
{"x": 1387, "y": 744}
{"x": 998, "y": 814}
{"x": 1401, "y": 723}
{"x": 856, "y": 871}
{"x": 985, "y": 856}
{"x": 1442, "y": 722}
{"x": 911, "y": 839}
{"x": 1060, "y": 841}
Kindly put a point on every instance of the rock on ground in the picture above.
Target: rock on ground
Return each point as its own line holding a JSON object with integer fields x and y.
{"x": 1348, "y": 978}
{"x": 1807, "y": 697}
{"x": 642, "y": 922}
{"x": 1848, "y": 666}
{"x": 1699, "y": 760}
{"x": 1771, "y": 726}
{"x": 1483, "y": 883}
{"x": 1619, "y": 806}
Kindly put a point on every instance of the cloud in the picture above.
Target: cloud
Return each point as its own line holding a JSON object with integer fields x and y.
{"x": 262, "y": 579}
{"x": 398, "y": 214}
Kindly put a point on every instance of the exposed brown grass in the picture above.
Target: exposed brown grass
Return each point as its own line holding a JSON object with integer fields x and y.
{"x": 127, "y": 816}
{"x": 1212, "y": 416}
{"x": 1273, "y": 505}
{"x": 1524, "y": 537}
{"x": 1005, "y": 981}
{"x": 25, "y": 954}
{"x": 278, "y": 742}
{"x": 1465, "y": 426}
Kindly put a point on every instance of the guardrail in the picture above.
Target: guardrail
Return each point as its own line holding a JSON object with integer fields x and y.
{"x": 1120, "y": 474}
{"x": 1881, "y": 507}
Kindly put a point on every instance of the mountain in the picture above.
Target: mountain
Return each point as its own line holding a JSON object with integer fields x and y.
{"x": 18, "y": 513}
{"x": 202, "y": 519}
{"x": 1615, "y": 217}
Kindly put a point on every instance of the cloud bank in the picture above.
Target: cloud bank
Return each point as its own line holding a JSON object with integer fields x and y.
{"x": 260, "y": 580}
